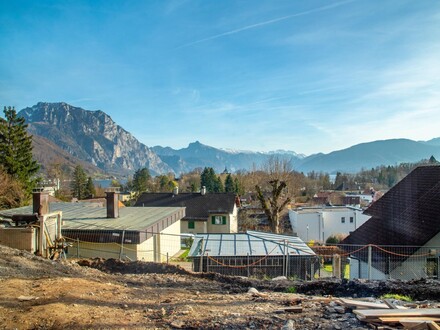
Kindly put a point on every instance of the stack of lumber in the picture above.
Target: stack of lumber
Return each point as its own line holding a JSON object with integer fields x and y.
{"x": 389, "y": 316}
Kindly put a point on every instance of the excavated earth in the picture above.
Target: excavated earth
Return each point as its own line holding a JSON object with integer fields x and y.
{"x": 109, "y": 294}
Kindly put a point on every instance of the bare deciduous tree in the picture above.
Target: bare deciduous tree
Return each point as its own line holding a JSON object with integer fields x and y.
{"x": 11, "y": 192}
{"x": 273, "y": 204}
{"x": 273, "y": 192}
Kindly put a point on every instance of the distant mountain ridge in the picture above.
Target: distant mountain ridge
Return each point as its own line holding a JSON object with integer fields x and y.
{"x": 92, "y": 137}
{"x": 200, "y": 155}
{"x": 369, "y": 155}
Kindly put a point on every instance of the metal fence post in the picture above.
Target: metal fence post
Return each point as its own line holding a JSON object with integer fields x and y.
{"x": 167, "y": 258}
{"x": 438, "y": 267}
{"x": 122, "y": 245}
{"x": 369, "y": 262}
{"x": 77, "y": 247}
{"x": 201, "y": 256}
{"x": 207, "y": 263}
{"x": 286, "y": 258}
{"x": 248, "y": 272}
{"x": 389, "y": 267}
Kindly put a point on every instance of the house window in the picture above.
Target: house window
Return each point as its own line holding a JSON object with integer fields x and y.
{"x": 432, "y": 267}
{"x": 351, "y": 219}
{"x": 342, "y": 219}
{"x": 191, "y": 225}
{"x": 218, "y": 220}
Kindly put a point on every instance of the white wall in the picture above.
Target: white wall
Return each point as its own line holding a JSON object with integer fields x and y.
{"x": 155, "y": 248}
{"x": 319, "y": 223}
{"x": 359, "y": 269}
{"x": 233, "y": 220}
{"x": 170, "y": 241}
{"x": 415, "y": 267}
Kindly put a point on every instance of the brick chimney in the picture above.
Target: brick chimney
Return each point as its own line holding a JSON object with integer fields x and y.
{"x": 112, "y": 198}
{"x": 40, "y": 201}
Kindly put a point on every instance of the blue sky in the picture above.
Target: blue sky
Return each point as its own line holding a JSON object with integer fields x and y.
{"x": 307, "y": 76}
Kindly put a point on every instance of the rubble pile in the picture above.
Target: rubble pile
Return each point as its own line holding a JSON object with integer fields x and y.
{"x": 39, "y": 294}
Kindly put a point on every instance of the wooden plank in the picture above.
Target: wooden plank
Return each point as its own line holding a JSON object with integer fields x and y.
{"x": 293, "y": 310}
{"x": 389, "y": 303}
{"x": 419, "y": 325}
{"x": 415, "y": 325}
{"x": 376, "y": 313}
{"x": 392, "y": 319}
{"x": 433, "y": 326}
{"x": 362, "y": 304}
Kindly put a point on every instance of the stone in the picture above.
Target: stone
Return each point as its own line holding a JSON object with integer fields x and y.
{"x": 253, "y": 291}
{"x": 178, "y": 324}
{"x": 330, "y": 310}
{"x": 26, "y": 298}
{"x": 339, "y": 309}
{"x": 280, "y": 278}
{"x": 289, "y": 325}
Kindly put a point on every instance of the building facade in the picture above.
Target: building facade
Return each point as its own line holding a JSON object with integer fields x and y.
{"x": 319, "y": 223}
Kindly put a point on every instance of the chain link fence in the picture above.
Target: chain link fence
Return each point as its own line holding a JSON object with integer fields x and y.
{"x": 340, "y": 261}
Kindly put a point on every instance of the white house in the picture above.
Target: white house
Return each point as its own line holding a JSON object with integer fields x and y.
{"x": 318, "y": 223}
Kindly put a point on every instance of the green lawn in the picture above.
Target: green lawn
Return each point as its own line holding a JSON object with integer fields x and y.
{"x": 329, "y": 268}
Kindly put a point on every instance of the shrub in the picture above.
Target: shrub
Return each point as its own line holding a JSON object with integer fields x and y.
{"x": 291, "y": 289}
{"x": 396, "y": 296}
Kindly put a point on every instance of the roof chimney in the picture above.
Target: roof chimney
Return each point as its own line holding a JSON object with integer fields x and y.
{"x": 112, "y": 198}
{"x": 40, "y": 201}
{"x": 203, "y": 191}
{"x": 176, "y": 190}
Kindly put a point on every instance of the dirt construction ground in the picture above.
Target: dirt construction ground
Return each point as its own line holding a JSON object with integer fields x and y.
{"x": 98, "y": 294}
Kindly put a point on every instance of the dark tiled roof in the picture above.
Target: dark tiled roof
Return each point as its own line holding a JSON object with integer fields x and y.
{"x": 198, "y": 206}
{"x": 408, "y": 214}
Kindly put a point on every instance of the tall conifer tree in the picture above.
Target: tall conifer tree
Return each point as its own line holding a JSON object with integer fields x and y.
{"x": 16, "y": 150}
{"x": 229, "y": 184}
{"x": 79, "y": 183}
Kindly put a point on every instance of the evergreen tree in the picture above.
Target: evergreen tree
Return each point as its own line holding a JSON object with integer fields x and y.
{"x": 141, "y": 180}
{"x": 16, "y": 150}
{"x": 78, "y": 185}
{"x": 229, "y": 184}
{"x": 90, "y": 190}
{"x": 218, "y": 185}
{"x": 432, "y": 160}
{"x": 209, "y": 180}
{"x": 238, "y": 187}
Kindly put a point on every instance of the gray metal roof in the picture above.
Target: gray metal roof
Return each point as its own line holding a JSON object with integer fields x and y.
{"x": 253, "y": 243}
{"x": 85, "y": 216}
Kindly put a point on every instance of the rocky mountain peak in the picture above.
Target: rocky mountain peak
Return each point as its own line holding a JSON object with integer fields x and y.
{"x": 91, "y": 136}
